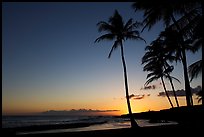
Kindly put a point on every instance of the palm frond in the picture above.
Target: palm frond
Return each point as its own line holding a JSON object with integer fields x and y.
{"x": 128, "y": 24}
{"x": 167, "y": 18}
{"x": 197, "y": 44}
{"x": 149, "y": 21}
{"x": 188, "y": 23}
{"x": 115, "y": 45}
{"x": 104, "y": 26}
{"x": 195, "y": 69}
{"x": 134, "y": 32}
{"x": 116, "y": 21}
{"x": 151, "y": 66}
{"x": 116, "y": 30}
{"x": 152, "y": 74}
{"x": 133, "y": 26}
{"x": 134, "y": 37}
{"x": 109, "y": 36}
{"x": 172, "y": 77}
{"x": 150, "y": 80}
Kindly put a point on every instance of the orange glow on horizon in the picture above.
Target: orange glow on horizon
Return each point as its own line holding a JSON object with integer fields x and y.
{"x": 153, "y": 103}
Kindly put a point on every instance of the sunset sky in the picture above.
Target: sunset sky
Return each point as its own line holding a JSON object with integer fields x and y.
{"x": 50, "y": 60}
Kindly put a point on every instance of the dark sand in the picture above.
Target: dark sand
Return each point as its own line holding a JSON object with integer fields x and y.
{"x": 167, "y": 130}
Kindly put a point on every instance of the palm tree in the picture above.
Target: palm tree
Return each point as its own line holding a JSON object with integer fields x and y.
{"x": 166, "y": 10}
{"x": 193, "y": 70}
{"x": 165, "y": 56}
{"x": 172, "y": 40}
{"x": 156, "y": 72}
{"x": 196, "y": 68}
{"x": 157, "y": 10}
{"x": 155, "y": 56}
{"x": 119, "y": 31}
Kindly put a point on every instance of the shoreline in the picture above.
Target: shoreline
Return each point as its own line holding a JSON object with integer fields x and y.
{"x": 76, "y": 127}
{"x": 34, "y": 128}
{"x": 54, "y": 126}
{"x": 188, "y": 119}
{"x": 154, "y": 130}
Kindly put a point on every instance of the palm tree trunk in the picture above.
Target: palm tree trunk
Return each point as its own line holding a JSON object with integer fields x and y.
{"x": 202, "y": 92}
{"x": 166, "y": 92}
{"x": 172, "y": 86}
{"x": 202, "y": 95}
{"x": 133, "y": 122}
{"x": 189, "y": 99}
{"x": 187, "y": 83}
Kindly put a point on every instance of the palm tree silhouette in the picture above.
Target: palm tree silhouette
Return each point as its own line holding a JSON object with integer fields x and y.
{"x": 155, "y": 74}
{"x": 156, "y": 63}
{"x": 193, "y": 70}
{"x": 166, "y": 10}
{"x": 158, "y": 46}
{"x": 119, "y": 31}
{"x": 172, "y": 39}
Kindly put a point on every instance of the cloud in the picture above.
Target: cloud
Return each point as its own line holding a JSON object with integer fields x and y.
{"x": 181, "y": 92}
{"x": 137, "y": 97}
{"x": 148, "y": 95}
{"x": 76, "y": 112}
{"x": 131, "y": 96}
{"x": 149, "y": 87}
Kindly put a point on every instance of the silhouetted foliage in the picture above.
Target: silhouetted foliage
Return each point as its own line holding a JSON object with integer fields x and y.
{"x": 119, "y": 31}
{"x": 156, "y": 63}
{"x": 185, "y": 26}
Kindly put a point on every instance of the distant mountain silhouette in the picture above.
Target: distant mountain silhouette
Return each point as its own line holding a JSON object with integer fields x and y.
{"x": 79, "y": 112}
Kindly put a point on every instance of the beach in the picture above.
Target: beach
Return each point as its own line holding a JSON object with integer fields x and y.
{"x": 179, "y": 120}
{"x": 151, "y": 130}
{"x": 194, "y": 129}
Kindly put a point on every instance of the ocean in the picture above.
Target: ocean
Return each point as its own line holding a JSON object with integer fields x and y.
{"x": 96, "y": 123}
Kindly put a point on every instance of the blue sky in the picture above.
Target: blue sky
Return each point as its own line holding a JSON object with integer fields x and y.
{"x": 49, "y": 55}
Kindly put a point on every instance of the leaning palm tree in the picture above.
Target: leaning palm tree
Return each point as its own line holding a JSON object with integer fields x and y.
{"x": 175, "y": 45}
{"x": 158, "y": 46}
{"x": 154, "y": 56}
{"x": 119, "y": 31}
{"x": 165, "y": 11}
{"x": 156, "y": 72}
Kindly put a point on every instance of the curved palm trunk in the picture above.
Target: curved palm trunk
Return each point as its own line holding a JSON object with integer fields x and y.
{"x": 133, "y": 122}
{"x": 172, "y": 86}
{"x": 166, "y": 92}
{"x": 189, "y": 99}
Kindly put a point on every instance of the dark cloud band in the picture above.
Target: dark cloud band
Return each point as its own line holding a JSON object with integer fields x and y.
{"x": 180, "y": 92}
